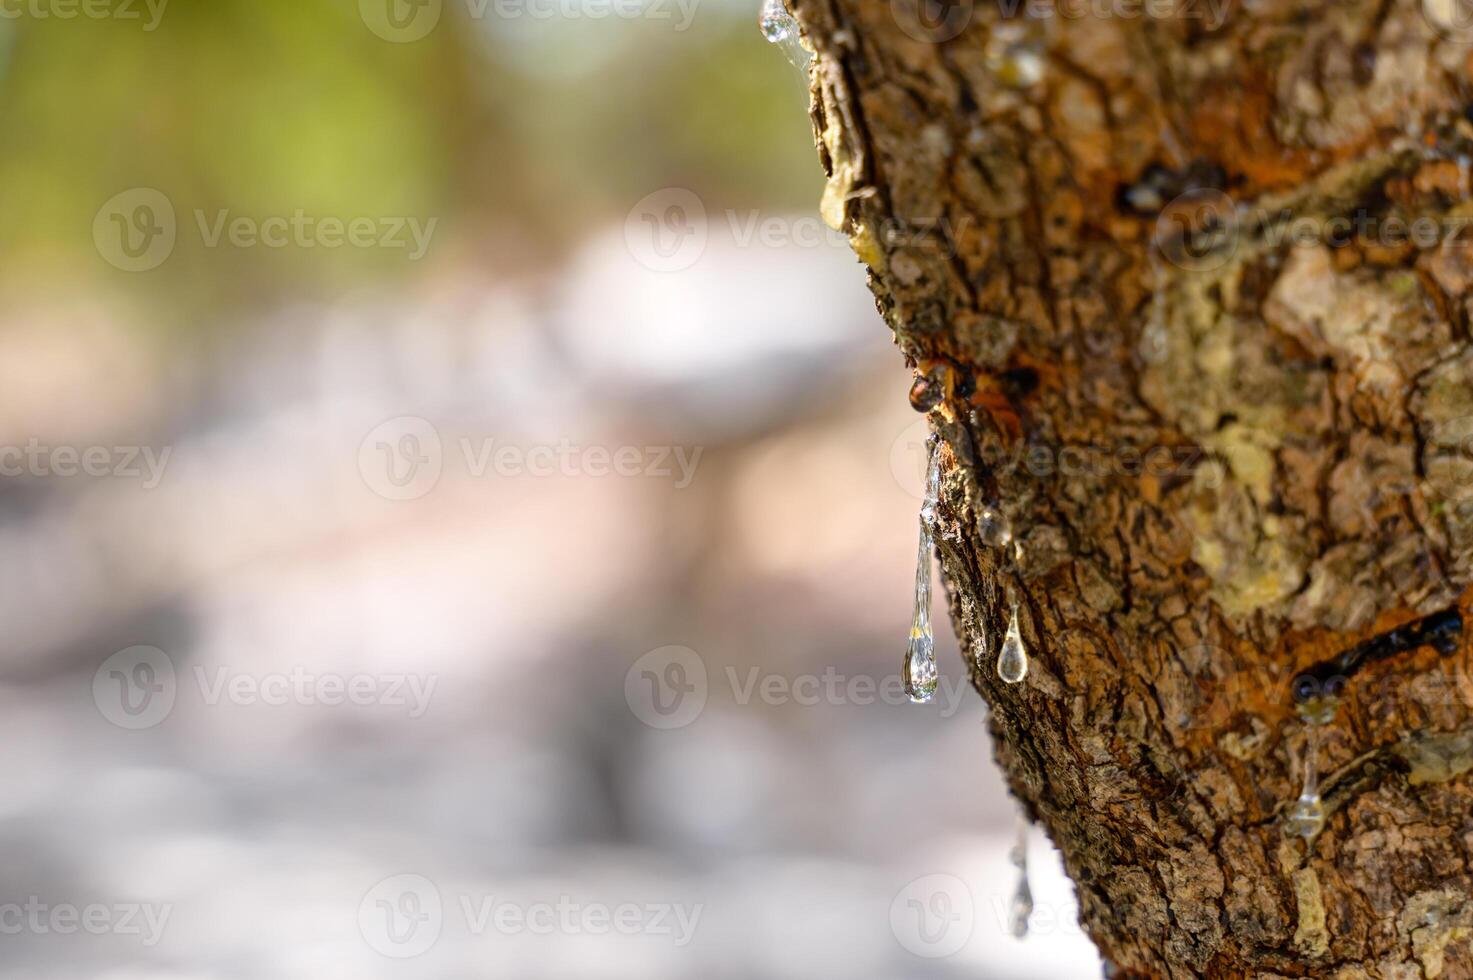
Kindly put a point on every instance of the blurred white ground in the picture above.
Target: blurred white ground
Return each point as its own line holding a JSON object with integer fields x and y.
{"x": 262, "y": 813}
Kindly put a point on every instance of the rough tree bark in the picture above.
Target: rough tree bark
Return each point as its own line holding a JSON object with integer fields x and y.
{"x": 1231, "y": 445}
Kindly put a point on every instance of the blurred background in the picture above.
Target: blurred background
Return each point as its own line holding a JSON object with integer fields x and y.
{"x": 458, "y": 515}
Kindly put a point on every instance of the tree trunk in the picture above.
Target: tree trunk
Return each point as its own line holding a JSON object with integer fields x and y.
{"x": 1164, "y": 269}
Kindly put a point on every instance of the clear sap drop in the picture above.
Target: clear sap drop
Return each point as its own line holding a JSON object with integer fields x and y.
{"x": 1021, "y": 906}
{"x": 1012, "y": 659}
{"x": 919, "y": 670}
{"x": 1015, "y": 55}
{"x": 920, "y": 665}
{"x": 776, "y": 23}
{"x": 1306, "y": 818}
{"x": 993, "y": 528}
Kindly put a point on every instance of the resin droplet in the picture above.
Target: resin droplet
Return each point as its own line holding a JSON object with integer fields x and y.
{"x": 1014, "y": 56}
{"x": 993, "y": 528}
{"x": 927, "y": 391}
{"x": 1155, "y": 341}
{"x": 920, "y": 665}
{"x": 919, "y": 670}
{"x": 1306, "y": 818}
{"x": 1012, "y": 659}
{"x": 1021, "y": 907}
{"x": 775, "y": 21}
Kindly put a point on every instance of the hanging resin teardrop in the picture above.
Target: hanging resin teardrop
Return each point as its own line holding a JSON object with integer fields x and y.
{"x": 1306, "y": 818}
{"x": 775, "y": 21}
{"x": 993, "y": 528}
{"x": 1012, "y": 659}
{"x": 1021, "y": 906}
{"x": 1014, "y": 54}
{"x": 919, "y": 670}
{"x": 921, "y": 675}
